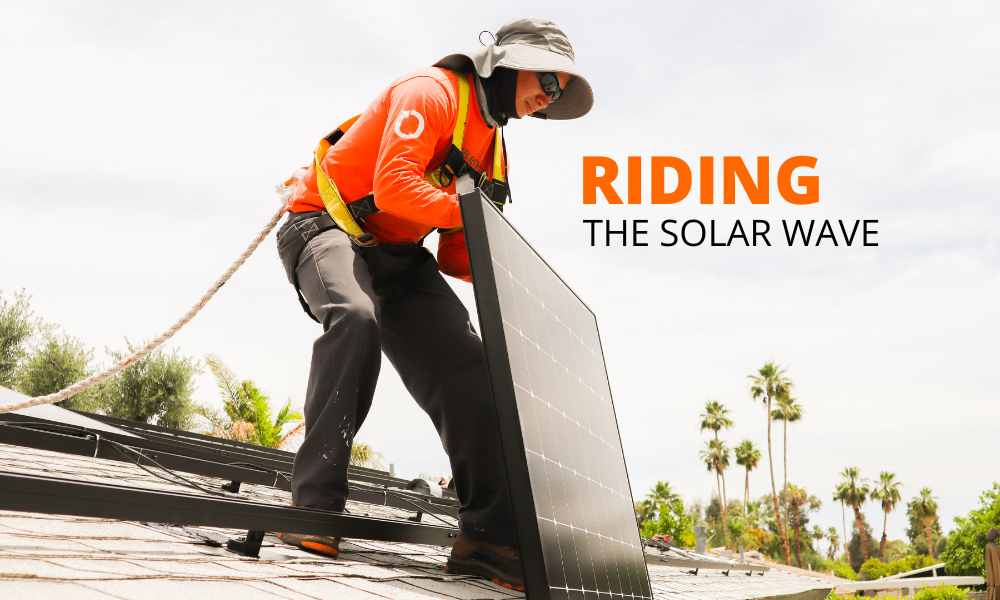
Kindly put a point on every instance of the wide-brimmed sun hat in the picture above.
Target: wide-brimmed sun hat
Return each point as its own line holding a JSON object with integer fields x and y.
{"x": 530, "y": 44}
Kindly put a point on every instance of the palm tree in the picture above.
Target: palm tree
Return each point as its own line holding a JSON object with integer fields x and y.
{"x": 768, "y": 383}
{"x": 925, "y": 508}
{"x": 817, "y": 535}
{"x": 887, "y": 492}
{"x": 715, "y": 418}
{"x": 801, "y": 502}
{"x": 831, "y": 534}
{"x": 716, "y": 458}
{"x": 659, "y": 497}
{"x": 246, "y": 412}
{"x": 747, "y": 456}
{"x": 661, "y": 494}
{"x": 363, "y": 455}
{"x": 855, "y": 491}
{"x": 788, "y": 411}
{"x": 644, "y": 511}
{"x": 755, "y": 513}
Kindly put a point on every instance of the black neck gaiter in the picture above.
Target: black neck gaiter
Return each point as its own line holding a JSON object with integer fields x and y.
{"x": 501, "y": 91}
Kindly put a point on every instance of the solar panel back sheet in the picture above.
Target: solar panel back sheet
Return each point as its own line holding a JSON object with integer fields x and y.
{"x": 572, "y": 502}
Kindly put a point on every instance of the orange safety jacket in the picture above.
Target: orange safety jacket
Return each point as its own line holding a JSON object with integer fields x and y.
{"x": 402, "y": 136}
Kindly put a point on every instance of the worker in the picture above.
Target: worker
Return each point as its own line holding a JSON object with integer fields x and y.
{"x": 352, "y": 247}
{"x": 992, "y": 561}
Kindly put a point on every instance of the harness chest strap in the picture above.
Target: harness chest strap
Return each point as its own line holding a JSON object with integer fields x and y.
{"x": 346, "y": 215}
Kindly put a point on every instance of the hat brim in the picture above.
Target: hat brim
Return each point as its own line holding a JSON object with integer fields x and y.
{"x": 577, "y": 98}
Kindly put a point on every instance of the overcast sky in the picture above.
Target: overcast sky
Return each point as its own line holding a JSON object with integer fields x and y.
{"x": 140, "y": 144}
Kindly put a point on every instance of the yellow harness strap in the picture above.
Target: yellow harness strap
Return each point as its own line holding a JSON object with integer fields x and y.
{"x": 332, "y": 199}
{"x": 497, "y": 156}
{"x": 458, "y": 139}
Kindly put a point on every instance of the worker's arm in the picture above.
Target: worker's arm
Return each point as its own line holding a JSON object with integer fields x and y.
{"x": 421, "y": 113}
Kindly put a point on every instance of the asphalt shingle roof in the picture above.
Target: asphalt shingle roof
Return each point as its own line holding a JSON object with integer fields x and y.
{"x": 71, "y": 557}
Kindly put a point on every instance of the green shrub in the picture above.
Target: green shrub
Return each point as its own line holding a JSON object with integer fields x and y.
{"x": 156, "y": 390}
{"x": 844, "y": 571}
{"x": 16, "y": 329}
{"x": 56, "y": 363}
{"x": 875, "y": 569}
{"x": 672, "y": 521}
{"x": 964, "y": 554}
{"x": 944, "y": 592}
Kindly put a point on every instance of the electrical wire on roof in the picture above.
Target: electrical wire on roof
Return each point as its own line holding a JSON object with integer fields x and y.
{"x": 415, "y": 502}
{"x": 275, "y": 472}
{"x": 79, "y": 386}
{"x": 122, "y": 449}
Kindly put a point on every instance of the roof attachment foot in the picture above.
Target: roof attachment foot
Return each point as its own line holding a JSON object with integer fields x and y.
{"x": 248, "y": 546}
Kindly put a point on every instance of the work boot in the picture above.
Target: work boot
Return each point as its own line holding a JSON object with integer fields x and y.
{"x": 499, "y": 564}
{"x": 316, "y": 544}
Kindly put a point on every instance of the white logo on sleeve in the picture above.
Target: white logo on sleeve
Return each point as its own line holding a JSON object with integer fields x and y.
{"x": 399, "y": 123}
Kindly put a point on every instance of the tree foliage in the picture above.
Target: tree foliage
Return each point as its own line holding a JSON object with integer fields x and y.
{"x": 943, "y": 592}
{"x": 716, "y": 418}
{"x": 16, "y": 329}
{"x": 747, "y": 456}
{"x": 788, "y": 411}
{"x": 671, "y": 519}
{"x": 363, "y": 455}
{"x": 766, "y": 384}
{"x": 747, "y": 523}
{"x": 964, "y": 553}
{"x": 801, "y": 505}
{"x": 855, "y": 552}
{"x": 56, "y": 363}
{"x": 874, "y": 568}
{"x": 834, "y": 537}
{"x": 854, "y": 491}
{"x": 156, "y": 389}
{"x": 887, "y": 493}
{"x": 924, "y": 508}
{"x": 246, "y": 410}
{"x": 662, "y": 512}
{"x": 844, "y": 571}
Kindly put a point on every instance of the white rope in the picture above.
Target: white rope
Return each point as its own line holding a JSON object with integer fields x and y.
{"x": 99, "y": 377}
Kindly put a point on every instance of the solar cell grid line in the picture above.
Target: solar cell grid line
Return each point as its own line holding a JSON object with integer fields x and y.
{"x": 572, "y": 503}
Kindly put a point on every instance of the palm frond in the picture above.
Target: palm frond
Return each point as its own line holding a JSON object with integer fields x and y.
{"x": 247, "y": 410}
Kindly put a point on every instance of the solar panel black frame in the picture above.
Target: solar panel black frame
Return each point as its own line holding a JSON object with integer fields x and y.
{"x": 540, "y": 527}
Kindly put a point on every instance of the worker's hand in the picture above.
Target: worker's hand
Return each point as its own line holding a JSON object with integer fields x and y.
{"x": 452, "y": 256}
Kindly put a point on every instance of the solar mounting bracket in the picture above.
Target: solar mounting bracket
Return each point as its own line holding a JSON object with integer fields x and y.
{"x": 247, "y": 546}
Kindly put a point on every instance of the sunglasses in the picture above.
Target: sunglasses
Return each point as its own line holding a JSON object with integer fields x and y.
{"x": 550, "y": 85}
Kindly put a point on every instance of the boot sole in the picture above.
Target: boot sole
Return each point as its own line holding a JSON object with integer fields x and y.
{"x": 471, "y": 567}
{"x": 309, "y": 546}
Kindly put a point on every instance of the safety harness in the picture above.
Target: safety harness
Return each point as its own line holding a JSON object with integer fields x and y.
{"x": 349, "y": 217}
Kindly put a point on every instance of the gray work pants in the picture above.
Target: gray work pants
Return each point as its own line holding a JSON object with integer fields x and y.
{"x": 428, "y": 337}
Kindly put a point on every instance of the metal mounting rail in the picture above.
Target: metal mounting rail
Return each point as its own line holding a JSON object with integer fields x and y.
{"x": 223, "y": 450}
{"x": 50, "y": 495}
{"x": 57, "y": 437}
{"x": 685, "y": 563}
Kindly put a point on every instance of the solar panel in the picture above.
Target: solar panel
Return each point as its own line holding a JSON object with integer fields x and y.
{"x": 572, "y": 503}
